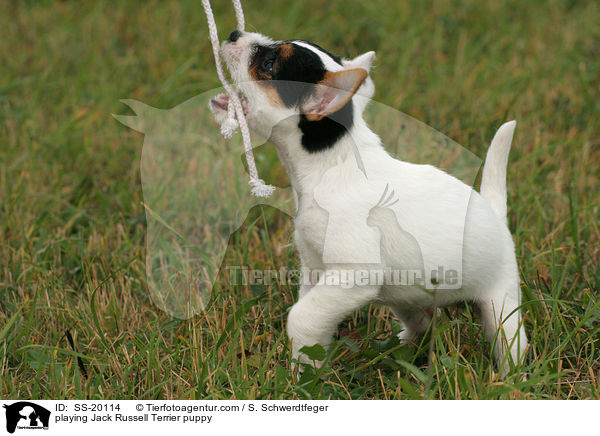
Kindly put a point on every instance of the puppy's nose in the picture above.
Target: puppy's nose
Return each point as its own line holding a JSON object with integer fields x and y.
{"x": 234, "y": 36}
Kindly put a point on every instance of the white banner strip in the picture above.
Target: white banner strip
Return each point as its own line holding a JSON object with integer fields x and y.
{"x": 104, "y": 417}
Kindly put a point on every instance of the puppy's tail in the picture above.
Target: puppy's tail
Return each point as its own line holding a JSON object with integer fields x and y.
{"x": 493, "y": 181}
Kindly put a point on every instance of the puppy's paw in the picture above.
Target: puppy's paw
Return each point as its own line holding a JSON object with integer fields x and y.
{"x": 408, "y": 337}
{"x": 301, "y": 362}
{"x": 300, "y": 358}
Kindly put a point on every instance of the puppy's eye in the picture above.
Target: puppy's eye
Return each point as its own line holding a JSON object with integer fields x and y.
{"x": 267, "y": 65}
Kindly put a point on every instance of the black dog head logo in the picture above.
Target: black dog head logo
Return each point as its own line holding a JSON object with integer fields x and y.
{"x": 27, "y": 414}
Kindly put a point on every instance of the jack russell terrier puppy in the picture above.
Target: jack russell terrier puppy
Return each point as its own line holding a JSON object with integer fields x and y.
{"x": 359, "y": 210}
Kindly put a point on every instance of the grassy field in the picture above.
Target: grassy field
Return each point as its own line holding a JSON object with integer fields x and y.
{"x": 72, "y": 223}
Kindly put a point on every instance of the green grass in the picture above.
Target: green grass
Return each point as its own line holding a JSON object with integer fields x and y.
{"x": 72, "y": 223}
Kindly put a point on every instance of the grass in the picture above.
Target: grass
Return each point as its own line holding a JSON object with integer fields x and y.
{"x": 73, "y": 227}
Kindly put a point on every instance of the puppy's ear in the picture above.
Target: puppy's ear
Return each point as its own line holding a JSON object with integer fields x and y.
{"x": 364, "y": 61}
{"x": 333, "y": 92}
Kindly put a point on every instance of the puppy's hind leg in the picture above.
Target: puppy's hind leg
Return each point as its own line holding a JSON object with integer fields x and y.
{"x": 415, "y": 321}
{"x": 315, "y": 317}
{"x": 503, "y": 327}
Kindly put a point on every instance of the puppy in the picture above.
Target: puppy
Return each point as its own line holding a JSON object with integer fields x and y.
{"x": 361, "y": 211}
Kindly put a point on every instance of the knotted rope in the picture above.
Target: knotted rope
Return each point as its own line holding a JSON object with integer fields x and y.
{"x": 235, "y": 109}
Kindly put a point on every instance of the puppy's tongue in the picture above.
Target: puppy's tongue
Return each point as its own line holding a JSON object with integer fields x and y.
{"x": 221, "y": 100}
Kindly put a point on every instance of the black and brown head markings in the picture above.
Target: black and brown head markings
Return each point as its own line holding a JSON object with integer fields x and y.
{"x": 335, "y": 58}
{"x": 285, "y": 51}
{"x": 273, "y": 62}
{"x": 262, "y": 63}
{"x": 294, "y": 68}
{"x": 289, "y": 72}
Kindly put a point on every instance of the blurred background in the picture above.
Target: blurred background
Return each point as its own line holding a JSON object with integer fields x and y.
{"x": 73, "y": 226}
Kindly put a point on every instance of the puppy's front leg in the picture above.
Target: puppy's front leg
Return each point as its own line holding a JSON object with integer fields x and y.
{"x": 314, "y": 319}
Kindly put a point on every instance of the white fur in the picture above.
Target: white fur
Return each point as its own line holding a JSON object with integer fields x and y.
{"x": 493, "y": 180}
{"x": 436, "y": 220}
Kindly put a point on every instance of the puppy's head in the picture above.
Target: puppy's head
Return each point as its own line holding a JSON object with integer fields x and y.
{"x": 297, "y": 85}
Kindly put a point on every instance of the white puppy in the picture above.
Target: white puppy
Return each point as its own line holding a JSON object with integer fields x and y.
{"x": 378, "y": 229}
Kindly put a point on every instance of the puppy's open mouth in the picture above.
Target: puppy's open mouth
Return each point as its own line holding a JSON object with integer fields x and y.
{"x": 221, "y": 102}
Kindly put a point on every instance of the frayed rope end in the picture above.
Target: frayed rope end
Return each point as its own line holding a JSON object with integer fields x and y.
{"x": 260, "y": 188}
{"x": 229, "y": 126}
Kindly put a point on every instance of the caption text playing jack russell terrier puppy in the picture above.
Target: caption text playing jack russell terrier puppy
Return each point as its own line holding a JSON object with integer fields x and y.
{"x": 359, "y": 209}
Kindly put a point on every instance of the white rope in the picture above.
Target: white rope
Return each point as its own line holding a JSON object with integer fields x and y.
{"x": 235, "y": 109}
{"x": 239, "y": 14}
